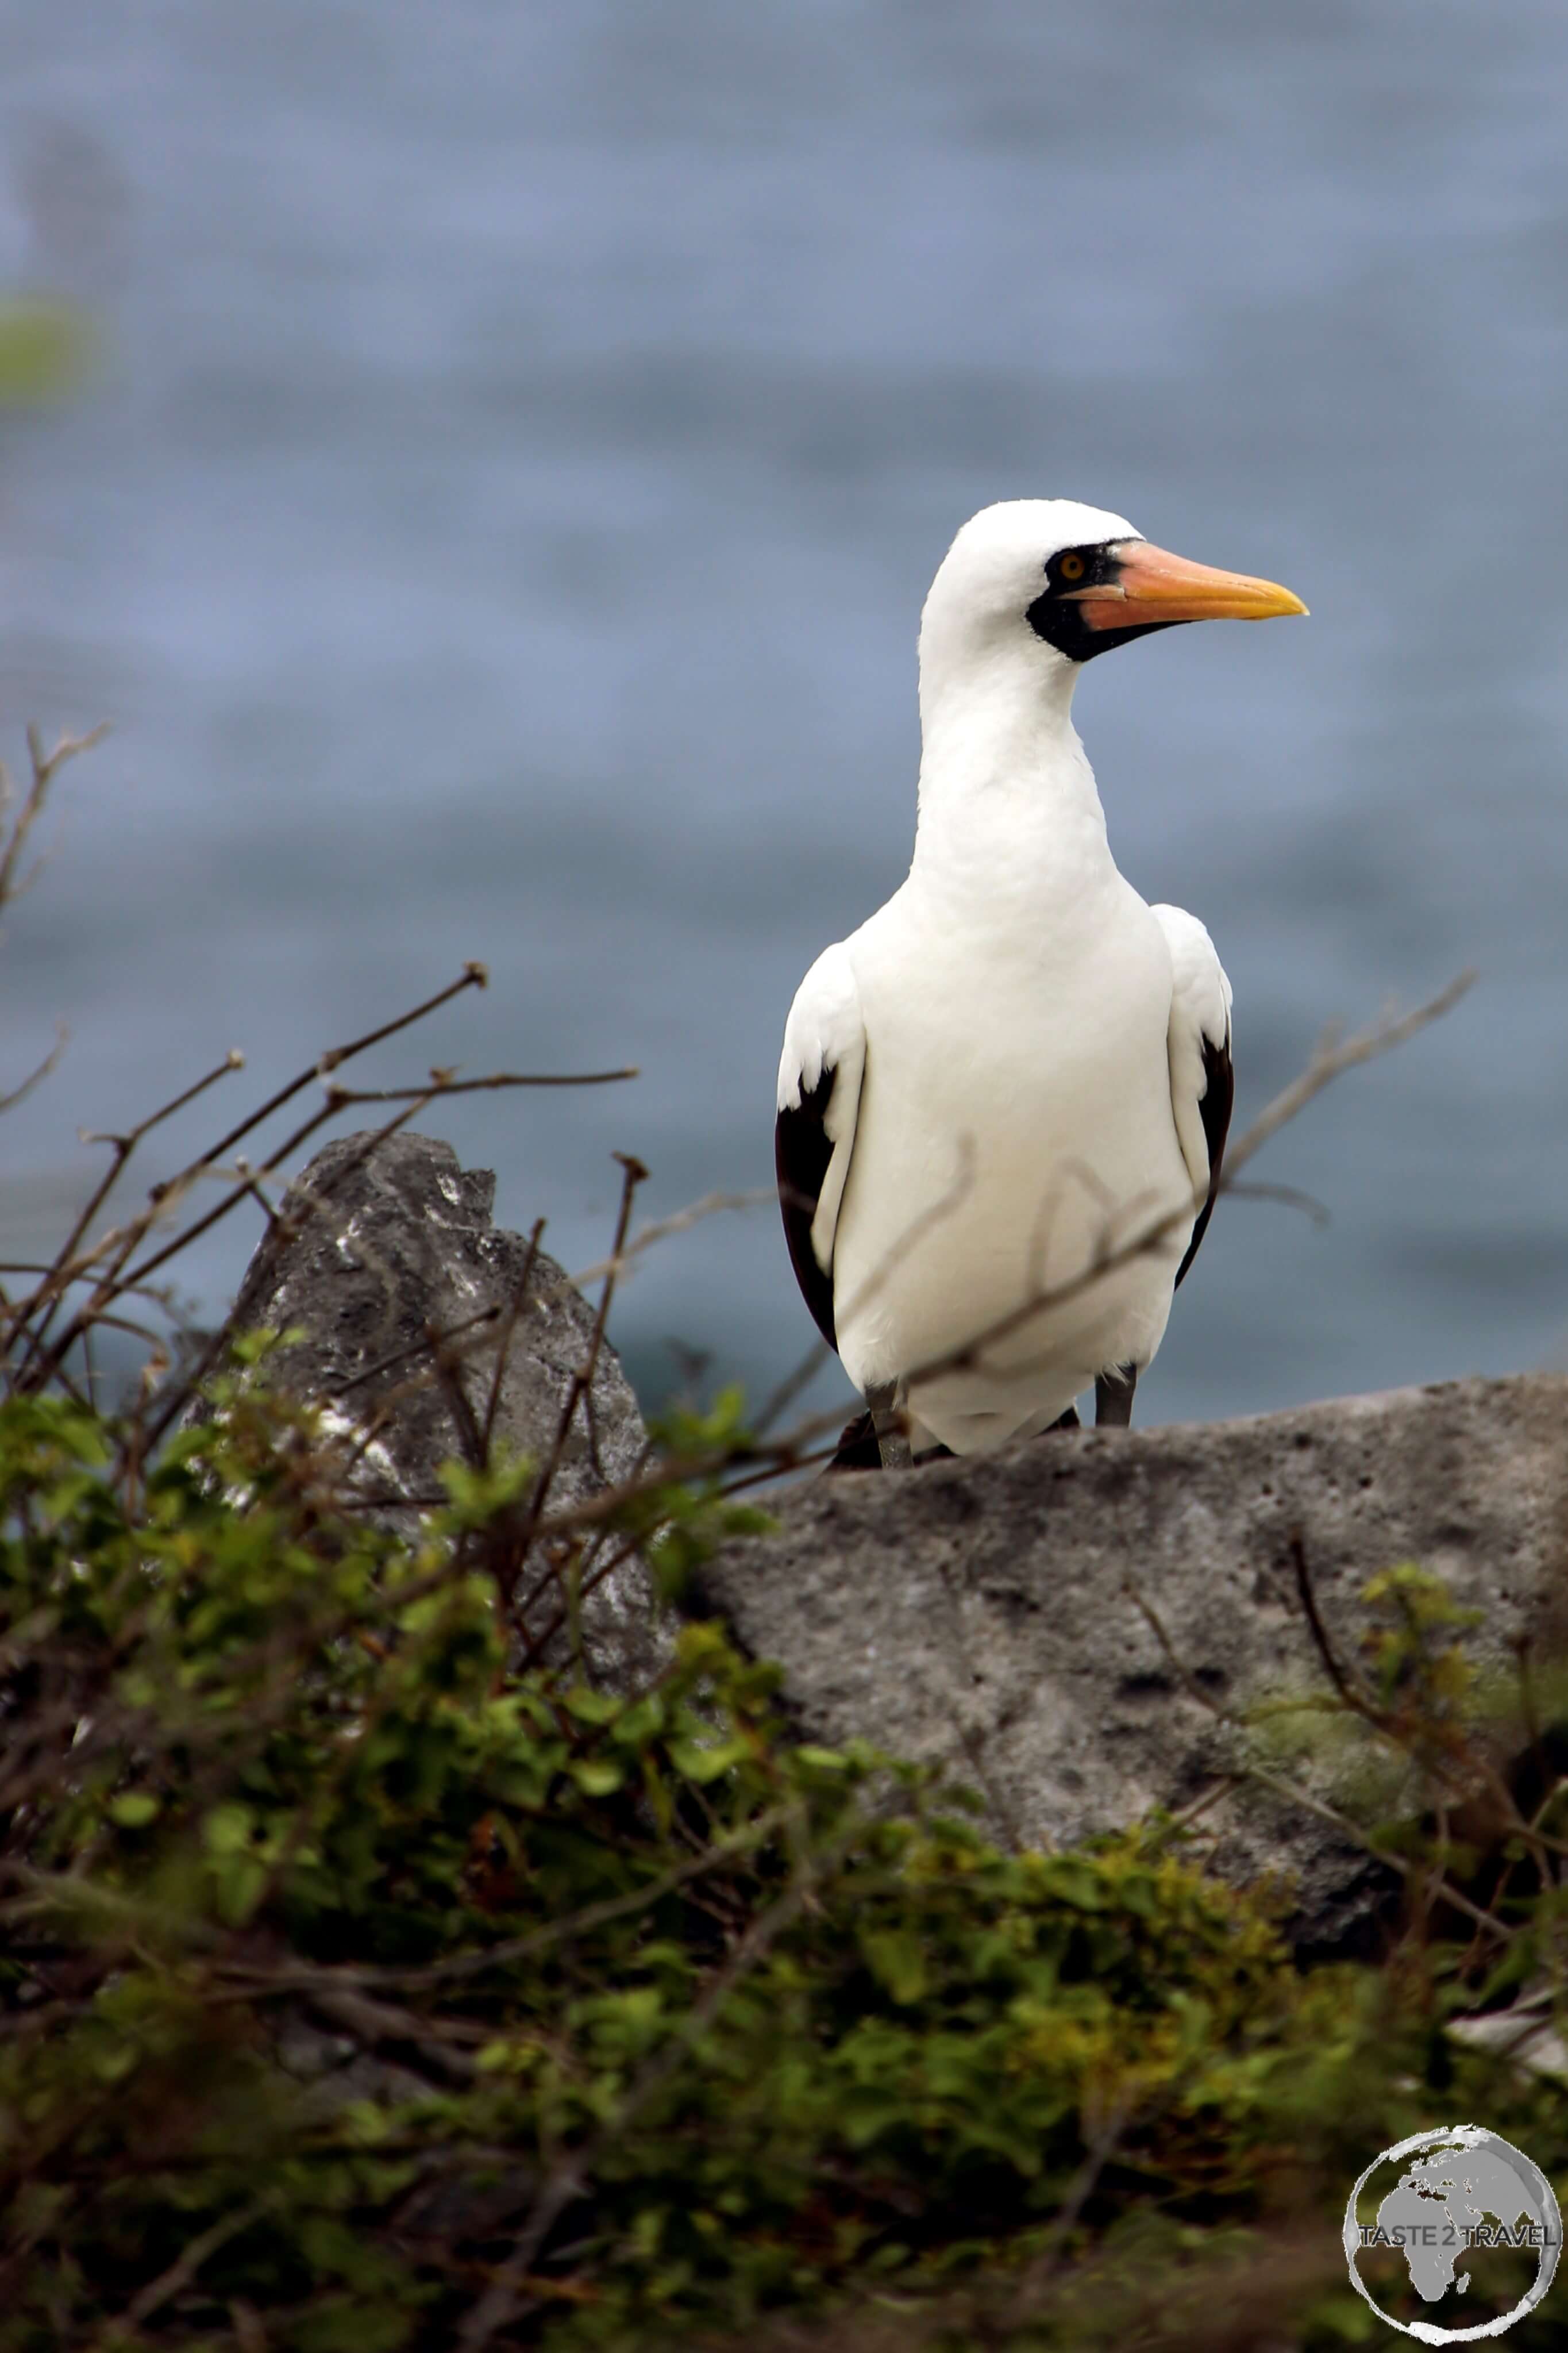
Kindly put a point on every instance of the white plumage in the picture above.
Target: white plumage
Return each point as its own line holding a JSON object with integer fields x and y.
{"x": 1000, "y": 1079}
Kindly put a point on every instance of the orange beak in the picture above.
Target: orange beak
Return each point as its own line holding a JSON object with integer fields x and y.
{"x": 1152, "y": 584}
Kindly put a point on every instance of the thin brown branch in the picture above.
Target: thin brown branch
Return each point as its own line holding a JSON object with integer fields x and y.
{"x": 166, "y": 1195}
{"x": 793, "y": 1383}
{"x": 182, "y": 2271}
{"x": 678, "y": 1222}
{"x": 633, "y": 1174}
{"x": 184, "y": 1391}
{"x": 442, "y": 1083}
{"x": 1043, "y": 2270}
{"x": 113, "y": 1283}
{"x": 35, "y": 1078}
{"x": 233, "y": 1061}
{"x": 588, "y": 1581}
{"x": 782, "y": 1454}
{"x": 337, "y": 1098}
{"x": 423, "y": 1347}
{"x": 1353, "y": 1699}
{"x": 509, "y": 1326}
{"x": 52, "y": 1289}
{"x": 448, "y": 1365}
{"x": 46, "y": 766}
{"x": 1289, "y": 1197}
{"x": 1292, "y": 1793}
{"x": 1332, "y": 1057}
{"x": 473, "y": 976}
{"x": 913, "y": 1234}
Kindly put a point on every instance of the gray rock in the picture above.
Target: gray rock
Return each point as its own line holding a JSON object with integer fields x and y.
{"x": 979, "y": 1613}
{"x": 377, "y": 1248}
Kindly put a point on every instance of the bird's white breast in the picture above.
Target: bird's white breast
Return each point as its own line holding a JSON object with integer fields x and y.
{"x": 1015, "y": 1125}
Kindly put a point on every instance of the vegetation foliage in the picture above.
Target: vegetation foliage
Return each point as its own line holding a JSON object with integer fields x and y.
{"x": 359, "y": 1993}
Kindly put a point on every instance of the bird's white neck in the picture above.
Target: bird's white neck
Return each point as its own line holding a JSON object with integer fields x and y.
{"x": 1008, "y": 809}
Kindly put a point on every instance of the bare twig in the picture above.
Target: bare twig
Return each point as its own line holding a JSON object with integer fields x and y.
{"x": 678, "y": 1222}
{"x": 183, "y": 2270}
{"x": 174, "y": 1405}
{"x": 1043, "y": 2270}
{"x": 443, "y": 1082}
{"x": 1290, "y": 1197}
{"x": 509, "y": 1326}
{"x": 1292, "y": 1793}
{"x": 118, "y": 1249}
{"x": 51, "y": 1289}
{"x": 449, "y": 1373}
{"x": 793, "y": 1384}
{"x": 1332, "y": 1057}
{"x": 428, "y": 1340}
{"x": 1297, "y": 1548}
{"x": 633, "y": 1174}
{"x": 36, "y": 1077}
{"x": 473, "y": 976}
{"x": 46, "y": 766}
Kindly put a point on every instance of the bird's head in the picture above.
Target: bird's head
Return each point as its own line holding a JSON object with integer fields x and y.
{"x": 1060, "y": 582}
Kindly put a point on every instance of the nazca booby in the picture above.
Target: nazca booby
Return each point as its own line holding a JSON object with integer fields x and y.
{"x": 1017, "y": 1067}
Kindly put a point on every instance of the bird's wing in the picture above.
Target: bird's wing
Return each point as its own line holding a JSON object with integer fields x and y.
{"x": 818, "y": 1103}
{"x": 1202, "y": 1084}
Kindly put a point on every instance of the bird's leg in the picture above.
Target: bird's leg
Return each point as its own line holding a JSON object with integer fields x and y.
{"x": 1113, "y": 1398}
{"x": 887, "y": 1422}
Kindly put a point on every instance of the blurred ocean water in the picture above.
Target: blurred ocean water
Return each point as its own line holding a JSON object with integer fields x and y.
{"x": 498, "y": 520}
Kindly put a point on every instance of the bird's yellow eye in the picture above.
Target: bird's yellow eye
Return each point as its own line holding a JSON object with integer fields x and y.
{"x": 1071, "y": 566}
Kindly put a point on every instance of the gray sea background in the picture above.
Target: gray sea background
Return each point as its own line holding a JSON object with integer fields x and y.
{"x": 497, "y": 523}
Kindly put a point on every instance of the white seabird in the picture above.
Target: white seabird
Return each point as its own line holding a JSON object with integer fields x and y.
{"x": 1017, "y": 1067}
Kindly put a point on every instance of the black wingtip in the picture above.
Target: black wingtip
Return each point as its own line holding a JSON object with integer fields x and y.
{"x": 1215, "y": 1110}
{"x": 801, "y": 1154}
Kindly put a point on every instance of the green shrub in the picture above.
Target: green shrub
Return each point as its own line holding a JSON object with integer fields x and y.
{"x": 358, "y": 1993}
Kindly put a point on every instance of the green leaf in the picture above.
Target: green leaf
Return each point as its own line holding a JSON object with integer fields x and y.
{"x": 896, "y": 1961}
{"x": 134, "y": 1809}
{"x": 701, "y": 1763}
{"x": 240, "y": 1880}
{"x": 227, "y": 1830}
{"x": 591, "y": 1706}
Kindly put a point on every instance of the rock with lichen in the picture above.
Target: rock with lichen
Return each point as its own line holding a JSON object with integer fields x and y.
{"x": 401, "y": 1300}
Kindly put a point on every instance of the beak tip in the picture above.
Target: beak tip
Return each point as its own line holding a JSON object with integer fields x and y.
{"x": 1281, "y": 604}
